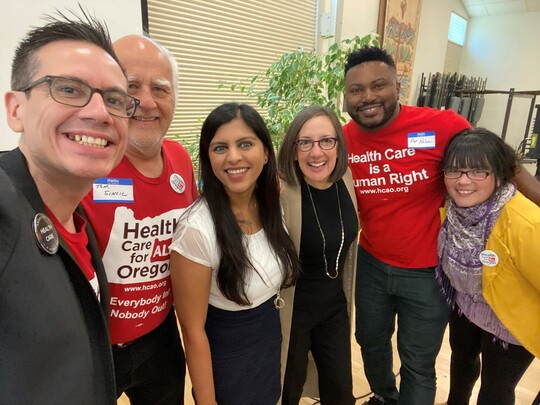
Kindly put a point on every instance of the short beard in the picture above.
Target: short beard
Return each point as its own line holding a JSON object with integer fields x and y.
{"x": 389, "y": 110}
{"x": 143, "y": 145}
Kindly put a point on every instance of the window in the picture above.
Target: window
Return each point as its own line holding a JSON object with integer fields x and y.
{"x": 225, "y": 41}
{"x": 452, "y": 60}
{"x": 458, "y": 29}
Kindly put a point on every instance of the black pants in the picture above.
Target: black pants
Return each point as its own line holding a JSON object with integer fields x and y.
{"x": 320, "y": 323}
{"x": 501, "y": 368}
{"x": 152, "y": 369}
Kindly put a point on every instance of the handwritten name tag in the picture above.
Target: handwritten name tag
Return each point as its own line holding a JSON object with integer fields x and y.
{"x": 421, "y": 140}
{"x": 113, "y": 190}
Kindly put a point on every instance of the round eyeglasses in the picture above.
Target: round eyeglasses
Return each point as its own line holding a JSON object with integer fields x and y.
{"x": 471, "y": 174}
{"x": 305, "y": 145}
{"x": 75, "y": 93}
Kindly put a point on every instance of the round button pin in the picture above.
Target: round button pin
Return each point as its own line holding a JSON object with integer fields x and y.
{"x": 489, "y": 258}
{"x": 45, "y": 234}
{"x": 177, "y": 183}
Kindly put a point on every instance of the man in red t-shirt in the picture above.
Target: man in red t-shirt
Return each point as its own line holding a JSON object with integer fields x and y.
{"x": 134, "y": 211}
{"x": 395, "y": 154}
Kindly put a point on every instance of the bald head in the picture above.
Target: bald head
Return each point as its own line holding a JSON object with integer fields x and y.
{"x": 136, "y": 47}
{"x": 152, "y": 78}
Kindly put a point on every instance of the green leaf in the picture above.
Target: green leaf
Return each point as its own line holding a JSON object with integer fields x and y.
{"x": 299, "y": 79}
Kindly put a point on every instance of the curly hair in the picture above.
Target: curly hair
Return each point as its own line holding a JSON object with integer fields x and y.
{"x": 368, "y": 54}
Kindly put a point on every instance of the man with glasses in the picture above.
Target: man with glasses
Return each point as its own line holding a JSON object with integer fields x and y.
{"x": 69, "y": 102}
{"x": 76, "y": 93}
{"x": 134, "y": 211}
{"x": 395, "y": 154}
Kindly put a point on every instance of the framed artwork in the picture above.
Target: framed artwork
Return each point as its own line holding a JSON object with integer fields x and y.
{"x": 398, "y": 29}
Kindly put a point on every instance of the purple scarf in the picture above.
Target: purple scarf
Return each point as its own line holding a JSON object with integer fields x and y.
{"x": 463, "y": 237}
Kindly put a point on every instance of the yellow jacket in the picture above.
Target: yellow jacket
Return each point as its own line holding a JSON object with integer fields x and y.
{"x": 512, "y": 286}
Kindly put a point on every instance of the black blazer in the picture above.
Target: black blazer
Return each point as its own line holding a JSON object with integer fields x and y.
{"x": 54, "y": 341}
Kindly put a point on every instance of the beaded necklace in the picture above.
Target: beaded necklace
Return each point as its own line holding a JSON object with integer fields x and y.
{"x": 322, "y": 233}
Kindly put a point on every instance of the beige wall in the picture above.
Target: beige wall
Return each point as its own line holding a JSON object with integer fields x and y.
{"x": 506, "y": 50}
{"x": 359, "y": 17}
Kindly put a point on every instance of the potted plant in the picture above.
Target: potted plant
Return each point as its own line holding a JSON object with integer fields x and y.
{"x": 299, "y": 79}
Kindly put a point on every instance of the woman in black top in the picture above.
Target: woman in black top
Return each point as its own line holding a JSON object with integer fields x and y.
{"x": 320, "y": 212}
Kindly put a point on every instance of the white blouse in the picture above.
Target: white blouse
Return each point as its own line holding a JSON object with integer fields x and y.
{"x": 195, "y": 239}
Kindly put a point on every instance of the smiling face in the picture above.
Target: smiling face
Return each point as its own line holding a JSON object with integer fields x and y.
{"x": 371, "y": 94}
{"x": 469, "y": 193}
{"x": 65, "y": 143}
{"x": 150, "y": 79}
{"x": 237, "y": 157}
{"x": 317, "y": 164}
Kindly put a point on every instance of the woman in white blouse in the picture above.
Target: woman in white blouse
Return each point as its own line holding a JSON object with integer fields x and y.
{"x": 230, "y": 256}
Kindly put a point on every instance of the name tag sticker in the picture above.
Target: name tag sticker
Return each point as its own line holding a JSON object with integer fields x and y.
{"x": 421, "y": 140}
{"x": 113, "y": 190}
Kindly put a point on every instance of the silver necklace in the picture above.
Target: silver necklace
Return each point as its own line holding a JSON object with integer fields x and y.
{"x": 322, "y": 233}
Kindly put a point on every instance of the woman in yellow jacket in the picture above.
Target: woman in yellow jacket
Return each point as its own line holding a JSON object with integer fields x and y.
{"x": 489, "y": 251}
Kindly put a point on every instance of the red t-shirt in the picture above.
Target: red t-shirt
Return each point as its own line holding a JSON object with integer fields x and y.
{"x": 78, "y": 245}
{"x": 398, "y": 182}
{"x": 134, "y": 218}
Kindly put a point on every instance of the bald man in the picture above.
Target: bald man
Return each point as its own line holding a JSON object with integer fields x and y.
{"x": 134, "y": 211}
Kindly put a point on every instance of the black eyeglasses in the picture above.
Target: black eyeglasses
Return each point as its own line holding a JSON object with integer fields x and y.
{"x": 75, "y": 93}
{"x": 471, "y": 174}
{"x": 305, "y": 145}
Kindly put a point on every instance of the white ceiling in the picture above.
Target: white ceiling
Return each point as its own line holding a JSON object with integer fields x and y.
{"x": 481, "y": 8}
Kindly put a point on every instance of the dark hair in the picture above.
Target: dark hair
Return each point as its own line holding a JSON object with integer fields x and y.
{"x": 234, "y": 263}
{"x": 368, "y": 54}
{"x": 479, "y": 148}
{"x": 86, "y": 28}
{"x": 288, "y": 165}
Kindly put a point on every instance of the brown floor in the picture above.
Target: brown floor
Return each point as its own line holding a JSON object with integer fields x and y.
{"x": 525, "y": 393}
